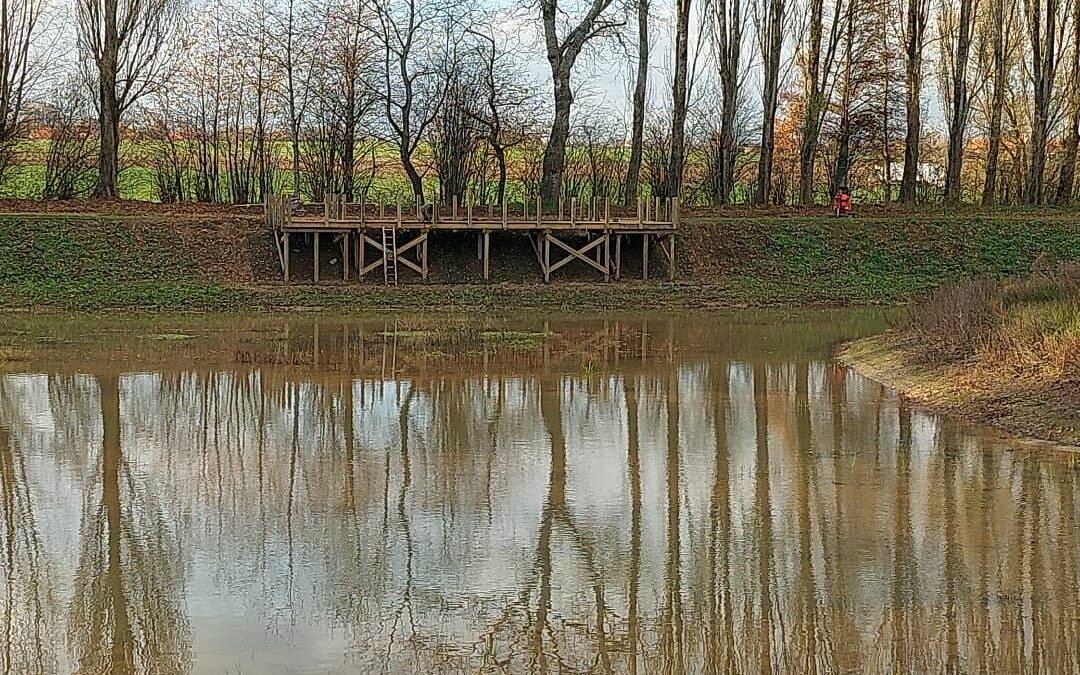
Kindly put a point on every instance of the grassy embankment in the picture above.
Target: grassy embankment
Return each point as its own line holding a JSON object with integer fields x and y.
{"x": 999, "y": 352}
{"x": 209, "y": 261}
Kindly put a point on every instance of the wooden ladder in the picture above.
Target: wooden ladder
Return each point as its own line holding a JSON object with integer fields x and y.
{"x": 389, "y": 245}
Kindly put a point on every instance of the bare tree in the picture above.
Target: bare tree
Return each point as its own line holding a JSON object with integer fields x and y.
{"x": 768, "y": 21}
{"x": 679, "y": 95}
{"x": 865, "y": 115}
{"x": 69, "y": 163}
{"x": 994, "y": 56}
{"x": 727, "y": 26}
{"x": 1067, "y": 176}
{"x": 818, "y": 80}
{"x": 409, "y": 86}
{"x": 562, "y": 54}
{"x": 294, "y": 35}
{"x": 641, "y": 87}
{"x": 914, "y": 37}
{"x": 1045, "y": 33}
{"x": 349, "y": 53}
{"x": 127, "y": 42}
{"x": 956, "y": 26}
{"x": 454, "y": 135}
{"x": 19, "y": 27}
{"x": 507, "y": 103}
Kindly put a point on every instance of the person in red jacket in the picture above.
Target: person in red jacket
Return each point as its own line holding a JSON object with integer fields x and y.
{"x": 841, "y": 203}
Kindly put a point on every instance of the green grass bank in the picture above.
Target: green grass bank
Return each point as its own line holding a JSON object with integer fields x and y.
{"x": 225, "y": 261}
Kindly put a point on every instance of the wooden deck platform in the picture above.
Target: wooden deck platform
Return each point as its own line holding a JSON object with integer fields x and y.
{"x": 378, "y": 238}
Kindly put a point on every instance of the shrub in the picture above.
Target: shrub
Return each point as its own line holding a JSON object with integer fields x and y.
{"x": 1022, "y": 327}
{"x": 957, "y": 320}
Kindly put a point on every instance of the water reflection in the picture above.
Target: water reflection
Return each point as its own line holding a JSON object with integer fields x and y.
{"x": 739, "y": 506}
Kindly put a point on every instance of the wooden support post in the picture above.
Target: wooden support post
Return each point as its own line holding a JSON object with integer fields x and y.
{"x": 345, "y": 256}
{"x": 573, "y": 212}
{"x": 468, "y": 212}
{"x": 504, "y": 214}
{"x": 671, "y": 261}
{"x": 361, "y": 244}
{"x": 675, "y": 207}
{"x": 454, "y": 212}
{"x": 639, "y": 222}
{"x": 285, "y": 236}
{"x": 607, "y": 256}
{"x": 539, "y": 211}
{"x": 479, "y": 245}
{"x": 424, "y": 258}
{"x": 648, "y": 210}
{"x": 316, "y": 271}
{"x": 560, "y": 208}
{"x": 547, "y": 257}
{"x": 524, "y": 209}
{"x": 618, "y": 257}
{"x": 487, "y": 254}
{"x": 645, "y": 256}
{"x": 491, "y": 211}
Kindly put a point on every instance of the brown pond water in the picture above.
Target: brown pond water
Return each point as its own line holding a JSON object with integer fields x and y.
{"x": 710, "y": 494}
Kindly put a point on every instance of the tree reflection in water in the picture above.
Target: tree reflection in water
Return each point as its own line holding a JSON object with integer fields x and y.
{"x": 28, "y": 610}
{"x": 127, "y": 609}
{"x": 737, "y": 510}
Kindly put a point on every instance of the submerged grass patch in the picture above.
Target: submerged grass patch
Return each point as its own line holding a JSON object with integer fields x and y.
{"x": 514, "y": 338}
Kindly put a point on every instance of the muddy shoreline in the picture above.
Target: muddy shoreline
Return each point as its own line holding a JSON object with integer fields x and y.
{"x": 1039, "y": 414}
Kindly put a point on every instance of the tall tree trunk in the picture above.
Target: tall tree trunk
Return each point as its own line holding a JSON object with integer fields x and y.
{"x": 1043, "y": 29}
{"x": 561, "y": 56}
{"x": 770, "y": 97}
{"x": 1068, "y": 163}
{"x": 500, "y": 159}
{"x": 993, "y": 151}
{"x": 109, "y": 106}
{"x": 415, "y": 181}
{"x": 641, "y": 83}
{"x": 1067, "y": 177}
{"x": 729, "y": 37}
{"x": 886, "y": 109}
{"x": 555, "y": 152}
{"x": 958, "y": 112}
{"x": 814, "y": 102}
{"x": 348, "y": 141}
{"x": 679, "y": 96}
{"x": 915, "y": 29}
{"x": 843, "y": 151}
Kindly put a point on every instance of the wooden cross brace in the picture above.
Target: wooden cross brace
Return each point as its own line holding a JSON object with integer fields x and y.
{"x": 401, "y": 249}
{"x": 580, "y": 254}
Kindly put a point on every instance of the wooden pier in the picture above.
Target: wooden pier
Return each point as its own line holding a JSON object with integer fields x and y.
{"x": 386, "y": 239}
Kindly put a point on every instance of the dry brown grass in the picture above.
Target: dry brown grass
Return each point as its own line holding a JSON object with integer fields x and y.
{"x": 1023, "y": 327}
{"x": 1003, "y": 353}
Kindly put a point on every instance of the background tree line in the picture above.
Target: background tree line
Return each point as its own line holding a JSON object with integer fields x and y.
{"x": 727, "y": 101}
